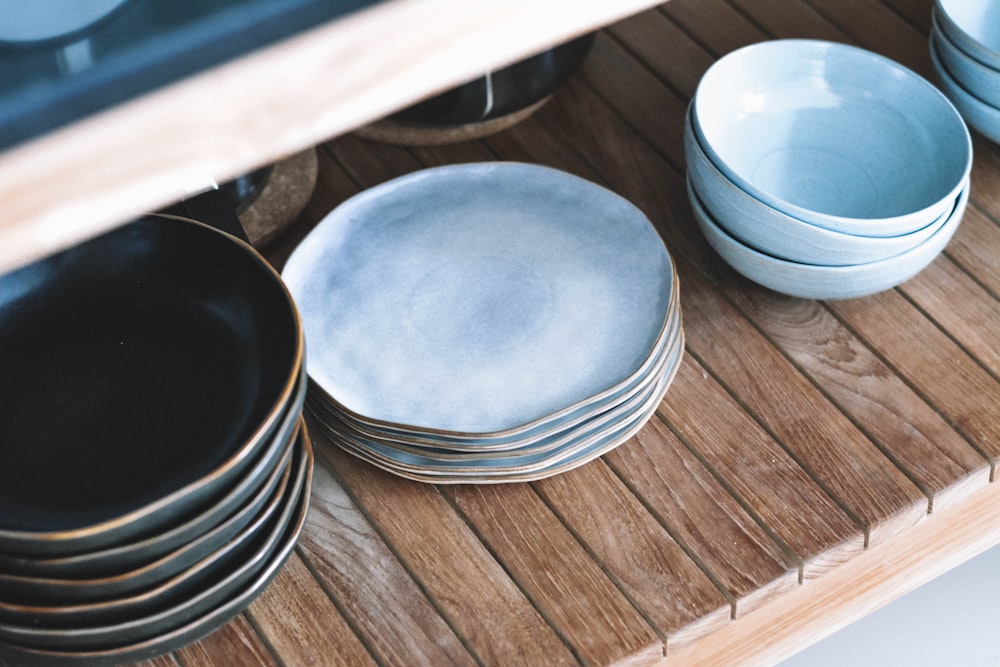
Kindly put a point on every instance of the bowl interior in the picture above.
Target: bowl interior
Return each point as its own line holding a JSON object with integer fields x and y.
{"x": 135, "y": 363}
{"x": 831, "y": 129}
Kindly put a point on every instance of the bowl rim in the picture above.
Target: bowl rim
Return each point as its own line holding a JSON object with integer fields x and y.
{"x": 942, "y": 236}
{"x": 965, "y": 40}
{"x": 106, "y": 532}
{"x": 822, "y": 241}
{"x": 874, "y": 226}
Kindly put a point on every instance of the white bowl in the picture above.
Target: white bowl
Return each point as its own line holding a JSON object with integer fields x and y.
{"x": 981, "y": 116}
{"x": 834, "y": 135}
{"x": 809, "y": 281}
{"x": 979, "y": 79}
{"x": 974, "y": 25}
{"x": 755, "y": 223}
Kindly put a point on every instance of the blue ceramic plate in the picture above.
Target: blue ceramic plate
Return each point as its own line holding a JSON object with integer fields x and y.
{"x": 479, "y": 299}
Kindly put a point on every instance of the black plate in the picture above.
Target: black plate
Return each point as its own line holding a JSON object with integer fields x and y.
{"x": 142, "y": 371}
{"x": 265, "y": 541}
{"x": 128, "y": 556}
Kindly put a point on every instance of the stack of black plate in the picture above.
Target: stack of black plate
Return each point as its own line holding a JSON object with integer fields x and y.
{"x": 154, "y": 465}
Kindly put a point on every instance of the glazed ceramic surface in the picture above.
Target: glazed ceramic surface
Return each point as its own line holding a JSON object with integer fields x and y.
{"x": 980, "y": 80}
{"x": 834, "y": 135}
{"x": 144, "y": 370}
{"x": 825, "y": 282}
{"x": 974, "y": 25}
{"x": 479, "y": 298}
{"x": 270, "y": 544}
{"x": 981, "y": 116}
{"x": 127, "y": 556}
{"x": 779, "y": 234}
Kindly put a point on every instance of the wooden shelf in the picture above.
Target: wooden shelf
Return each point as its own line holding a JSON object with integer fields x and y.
{"x": 157, "y": 149}
{"x": 810, "y": 463}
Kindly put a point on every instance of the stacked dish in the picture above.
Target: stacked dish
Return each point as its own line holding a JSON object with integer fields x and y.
{"x": 488, "y": 322}
{"x": 965, "y": 51}
{"x": 822, "y": 170}
{"x": 156, "y": 467}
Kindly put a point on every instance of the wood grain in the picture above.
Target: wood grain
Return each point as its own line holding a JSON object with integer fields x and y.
{"x": 640, "y": 556}
{"x": 758, "y": 470}
{"x": 386, "y": 606}
{"x": 298, "y": 619}
{"x": 910, "y": 431}
{"x": 972, "y": 248}
{"x": 880, "y": 575}
{"x": 237, "y": 637}
{"x": 700, "y": 513}
{"x": 470, "y": 588}
{"x": 511, "y": 519}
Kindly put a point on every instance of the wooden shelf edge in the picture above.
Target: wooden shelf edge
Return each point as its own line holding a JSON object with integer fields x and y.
{"x": 854, "y": 589}
{"x": 81, "y": 180}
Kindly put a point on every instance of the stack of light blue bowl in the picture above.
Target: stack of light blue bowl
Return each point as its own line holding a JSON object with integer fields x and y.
{"x": 824, "y": 171}
{"x": 965, "y": 50}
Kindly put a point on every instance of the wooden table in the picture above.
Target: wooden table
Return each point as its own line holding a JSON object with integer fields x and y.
{"x": 811, "y": 461}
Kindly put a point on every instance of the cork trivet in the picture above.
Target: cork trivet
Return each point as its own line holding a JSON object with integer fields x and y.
{"x": 282, "y": 200}
{"x": 388, "y": 131}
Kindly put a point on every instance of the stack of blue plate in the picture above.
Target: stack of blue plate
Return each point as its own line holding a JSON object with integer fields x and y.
{"x": 487, "y": 322}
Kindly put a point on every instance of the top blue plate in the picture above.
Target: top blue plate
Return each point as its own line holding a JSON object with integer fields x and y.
{"x": 479, "y": 298}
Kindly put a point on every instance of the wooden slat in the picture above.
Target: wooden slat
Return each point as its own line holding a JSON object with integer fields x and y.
{"x": 672, "y": 593}
{"x": 916, "y": 12}
{"x": 511, "y": 520}
{"x": 711, "y": 22}
{"x": 386, "y": 606}
{"x": 470, "y": 588}
{"x": 790, "y": 19}
{"x": 236, "y": 638}
{"x": 965, "y": 393}
{"x": 818, "y": 533}
{"x": 297, "y": 618}
{"x": 681, "y": 492}
{"x": 911, "y": 432}
{"x": 960, "y": 306}
{"x": 876, "y": 27}
{"x": 797, "y": 17}
{"x": 973, "y": 246}
{"x": 985, "y": 171}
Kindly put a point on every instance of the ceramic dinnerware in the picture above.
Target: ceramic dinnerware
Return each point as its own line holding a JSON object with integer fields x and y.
{"x": 270, "y": 546}
{"x": 980, "y": 80}
{"x": 825, "y": 282}
{"x": 162, "y": 317}
{"x": 423, "y": 298}
{"x": 982, "y": 117}
{"x": 974, "y": 26}
{"x": 834, "y": 135}
{"x": 775, "y": 233}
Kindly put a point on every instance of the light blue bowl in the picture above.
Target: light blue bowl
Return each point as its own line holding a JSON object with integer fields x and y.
{"x": 979, "y": 79}
{"x": 778, "y": 234}
{"x": 809, "y": 281}
{"x": 833, "y": 135}
{"x": 981, "y": 116}
{"x": 973, "y": 25}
